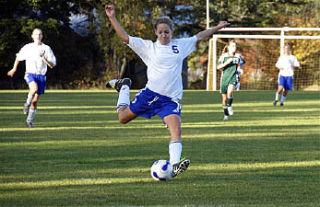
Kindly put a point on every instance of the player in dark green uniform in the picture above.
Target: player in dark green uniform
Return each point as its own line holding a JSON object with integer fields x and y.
{"x": 229, "y": 62}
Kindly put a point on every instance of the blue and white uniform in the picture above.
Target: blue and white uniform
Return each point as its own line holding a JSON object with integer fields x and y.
{"x": 287, "y": 63}
{"x": 164, "y": 66}
{"x": 36, "y": 68}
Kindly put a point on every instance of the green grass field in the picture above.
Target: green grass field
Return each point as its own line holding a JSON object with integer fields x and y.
{"x": 79, "y": 155}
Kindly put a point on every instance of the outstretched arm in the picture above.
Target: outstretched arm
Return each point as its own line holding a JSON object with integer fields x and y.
{"x": 111, "y": 13}
{"x": 209, "y": 32}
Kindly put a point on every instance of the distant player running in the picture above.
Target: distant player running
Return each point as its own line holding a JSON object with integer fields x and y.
{"x": 231, "y": 64}
{"x": 37, "y": 56}
{"x": 286, "y": 64}
{"x": 163, "y": 91}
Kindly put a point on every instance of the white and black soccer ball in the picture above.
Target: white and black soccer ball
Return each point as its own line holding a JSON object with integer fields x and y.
{"x": 161, "y": 170}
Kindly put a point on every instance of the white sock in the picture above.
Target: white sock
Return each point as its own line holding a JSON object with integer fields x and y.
{"x": 31, "y": 114}
{"x": 283, "y": 98}
{"x": 29, "y": 99}
{"x": 124, "y": 97}
{"x": 175, "y": 149}
{"x": 277, "y": 97}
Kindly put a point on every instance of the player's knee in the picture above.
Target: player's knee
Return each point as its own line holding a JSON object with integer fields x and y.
{"x": 123, "y": 120}
{"x": 34, "y": 102}
{"x": 33, "y": 91}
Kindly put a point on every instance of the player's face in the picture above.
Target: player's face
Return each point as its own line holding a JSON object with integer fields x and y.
{"x": 37, "y": 36}
{"x": 232, "y": 48}
{"x": 164, "y": 33}
{"x": 287, "y": 50}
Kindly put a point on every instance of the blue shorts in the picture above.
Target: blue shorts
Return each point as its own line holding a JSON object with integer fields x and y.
{"x": 148, "y": 103}
{"x": 40, "y": 80}
{"x": 286, "y": 82}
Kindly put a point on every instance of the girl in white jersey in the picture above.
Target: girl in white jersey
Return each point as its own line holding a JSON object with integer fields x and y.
{"x": 37, "y": 56}
{"x": 163, "y": 91}
{"x": 286, "y": 64}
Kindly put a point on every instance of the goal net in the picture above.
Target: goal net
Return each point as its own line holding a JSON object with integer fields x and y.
{"x": 261, "y": 54}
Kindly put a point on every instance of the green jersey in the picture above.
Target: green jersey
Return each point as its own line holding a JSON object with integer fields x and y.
{"x": 229, "y": 73}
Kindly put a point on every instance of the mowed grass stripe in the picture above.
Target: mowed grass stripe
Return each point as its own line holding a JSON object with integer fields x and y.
{"x": 79, "y": 155}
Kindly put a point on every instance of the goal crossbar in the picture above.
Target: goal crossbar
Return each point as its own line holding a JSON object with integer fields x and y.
{"x": 262, "y": 29}
{"x": 264, "y": 36}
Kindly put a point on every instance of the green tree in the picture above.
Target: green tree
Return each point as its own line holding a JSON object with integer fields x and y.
{"x": 76, "y": 56}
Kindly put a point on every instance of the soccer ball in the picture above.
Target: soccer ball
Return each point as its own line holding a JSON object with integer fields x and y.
{"x": 161, "y": 170}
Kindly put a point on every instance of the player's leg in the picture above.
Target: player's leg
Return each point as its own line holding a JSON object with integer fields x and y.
{"x": 281, "y": 82}
{"x": 223, "y": 92}
{"x": 123, "y": 87}
{"x": 32, "y": 111}
{"x": 231, "y": 88}
{"x": 125, "y": 115}
{"x": 38, "y": 86}
{"x": 33, "y": 88}
{"x": 238, "y": 86}
{"x": 173, "y": 122}
{"x": 283, "y": 97}
{"x": 35, "y": 100}
{"x": 224, "y": 106}
{"x": 278, "y": 92}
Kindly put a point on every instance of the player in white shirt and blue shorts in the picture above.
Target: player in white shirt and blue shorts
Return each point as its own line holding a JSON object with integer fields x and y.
{"x": 286, "y": 64}
{"x": 37, "y": 56}
{"x": 163, "y": 91}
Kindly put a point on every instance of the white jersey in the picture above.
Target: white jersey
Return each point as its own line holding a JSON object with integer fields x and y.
{"x": 287, "y": 62}
{"x": 164, "y": 63}
{"x": 34, "y": 63}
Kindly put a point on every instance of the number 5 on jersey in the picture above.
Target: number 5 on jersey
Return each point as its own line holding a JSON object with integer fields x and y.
{"x": 175, "y": 49}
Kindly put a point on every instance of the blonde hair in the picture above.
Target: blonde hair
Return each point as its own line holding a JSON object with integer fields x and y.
{"x": 163, "y": 20}
{"x": 227, "y": 45}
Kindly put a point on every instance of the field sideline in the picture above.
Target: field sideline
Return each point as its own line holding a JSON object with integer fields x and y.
{"x": 79, "y": 155}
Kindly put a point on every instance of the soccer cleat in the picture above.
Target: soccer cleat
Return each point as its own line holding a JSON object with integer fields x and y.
{"x": 26, "y": 108}
{"x": 111, "y": 83}
{"x": 275, "y": 103}
{"x": 281, "y": 104}
{"x": 225, "y": 118}
{"x": 118, "y": 83}
{"x": 230, "y": 110}
{"x": 180, "y": 167}
{"x": 29, "y": 124}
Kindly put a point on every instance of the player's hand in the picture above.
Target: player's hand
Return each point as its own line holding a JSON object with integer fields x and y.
{"x": 223, "y": 24}
{"x": 42, "y": 54}
{"x": 11, "y": 72}
{"x": 110, "y": 11}
{"x": 230, "y": 60}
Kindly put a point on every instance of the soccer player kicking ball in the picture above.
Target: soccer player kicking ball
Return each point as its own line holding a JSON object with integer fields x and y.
{"x": 163, "y": 91}
{"x": 37, "y": 56}
{"x": 285, "y": 63}
{"x": 230, "y": 63}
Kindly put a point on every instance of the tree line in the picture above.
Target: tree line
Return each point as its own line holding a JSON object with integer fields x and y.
{"x": 87, "y": 60}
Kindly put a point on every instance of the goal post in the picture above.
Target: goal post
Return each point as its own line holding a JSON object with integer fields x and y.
{"x": 264, "y": 42}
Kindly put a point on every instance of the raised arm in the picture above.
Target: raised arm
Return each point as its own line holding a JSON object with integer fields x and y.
{"x": 209, "y": 32}
{"x": 111, "y": 13}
